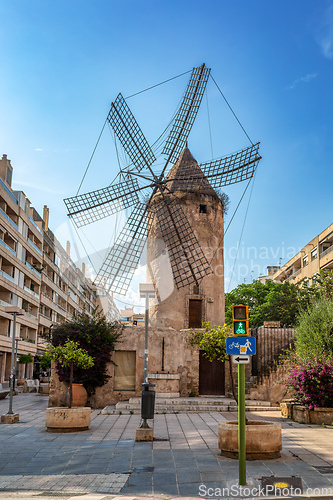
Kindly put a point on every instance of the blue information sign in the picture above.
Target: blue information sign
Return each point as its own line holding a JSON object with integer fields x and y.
{"x": 241, "y": 345}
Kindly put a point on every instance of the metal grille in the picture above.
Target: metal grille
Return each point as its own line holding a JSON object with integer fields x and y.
{"x": 271, "y": 343}
{"x": 93, "y": 206}
{"x": 119, "y": 266}
{"x": 130, "y": 134}
{"x": 187, "y": 113}
{"x": 233, "y": 168}
{"x": 282, "y": 486}
{"x": 187, "y": 259}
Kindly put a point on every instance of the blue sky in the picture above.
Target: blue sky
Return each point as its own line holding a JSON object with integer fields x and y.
{"x": 62, "y": 63}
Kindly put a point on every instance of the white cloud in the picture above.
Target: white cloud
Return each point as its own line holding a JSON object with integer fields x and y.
{"x": 38, "y": 187}
{"x": 303, "y": 79}
{"x": 325, "y": 34}
{"x": 39, "y": 149}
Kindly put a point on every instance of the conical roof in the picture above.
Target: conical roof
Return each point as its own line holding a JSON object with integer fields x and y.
{"x": 187, "y": 176}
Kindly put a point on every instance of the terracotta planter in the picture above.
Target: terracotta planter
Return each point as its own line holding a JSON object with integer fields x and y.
{"x": 263, "y": 439}
{"x": 80, "y": 395}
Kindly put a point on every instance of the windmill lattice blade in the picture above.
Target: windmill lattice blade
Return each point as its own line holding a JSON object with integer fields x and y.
{"x": 93, "y": 206}
{"x": 188, "y": 262}
{"x": 233, "y": 168}
{"x": 187, "y": 113}
{"x": 130, "y": 134}
{"x": 119, "y": 266}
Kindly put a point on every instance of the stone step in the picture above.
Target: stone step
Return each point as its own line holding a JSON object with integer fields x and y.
{"x": 111, "y": 410}
{"x": 223, "y": 402}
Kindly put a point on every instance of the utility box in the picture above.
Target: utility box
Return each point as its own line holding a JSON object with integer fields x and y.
{"x": 147, "y": 402}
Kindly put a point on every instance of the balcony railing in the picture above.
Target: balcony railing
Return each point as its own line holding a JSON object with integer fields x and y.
{"x": 5, "y": 304}
{"x": 33, "y": 269}
{"x": 29, "y": 315}
{"x": 35, "y": 247}
{"x": 34, "y": 223}
{"x": 8, "y": 191}
{"x": 8, "y": 247}
{"x": 296, "y": 273}
{"x": 31, "y": 291}
{"x": 325, "y": 252}
{"x": 7, "y": 276}
{"x": 8, "y": 218}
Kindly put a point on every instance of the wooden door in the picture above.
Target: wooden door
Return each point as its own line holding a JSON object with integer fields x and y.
{"x": 211, "y": 376}
{"x": 195, "y": 313}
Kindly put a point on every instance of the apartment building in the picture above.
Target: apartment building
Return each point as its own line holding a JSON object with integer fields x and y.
{"x": 130, "y": 318}
{"x": 312, "y": 258}
{"x": 38, "y": 275}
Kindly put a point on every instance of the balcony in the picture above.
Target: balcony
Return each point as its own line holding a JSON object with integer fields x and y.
{"x": 325, "y": 252}
{"x": 296, "y": 273}
{"x": 7, "y": 276}
{"x": 33, "y": 269}
{"x": 35, "y": 247}
{"x": 8, "y": 191}
{"x": 7, "y": 247}
{"x": 34, "y": 223}
{"x": 8, "y": 218}
{"x": 30, "y": 291}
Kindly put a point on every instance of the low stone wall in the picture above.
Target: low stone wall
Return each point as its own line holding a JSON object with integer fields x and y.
{"x": 181, "y": 367}
{"x": 304, "y": 415}
{"x": 271, "y": 389}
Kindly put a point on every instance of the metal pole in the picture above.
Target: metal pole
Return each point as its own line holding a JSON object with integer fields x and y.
{"x": 241, "y": 425}
{"x": 145, "y": 370}
{"x": 11, "y": 382}
{"x": 16, "y": 341}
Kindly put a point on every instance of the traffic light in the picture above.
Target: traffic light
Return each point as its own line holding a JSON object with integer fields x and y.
{"x": 240, "y": 321}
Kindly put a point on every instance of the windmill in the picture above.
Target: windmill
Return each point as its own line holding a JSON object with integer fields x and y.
{"x": 140, "y": 185}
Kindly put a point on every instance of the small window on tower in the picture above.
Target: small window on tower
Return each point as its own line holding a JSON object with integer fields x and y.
{"x": 196, "y": 290}
{"x": 203, "y": 209}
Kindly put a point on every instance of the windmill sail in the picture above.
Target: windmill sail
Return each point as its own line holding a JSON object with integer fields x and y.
{"x": 93, "y": 206}
{"x": 119, "y": 266}
{"x": 234, "y": 168}
{"x": 187, "y": 113}
{"x": 188, "y": 262}
{"x": 130, "y": 134}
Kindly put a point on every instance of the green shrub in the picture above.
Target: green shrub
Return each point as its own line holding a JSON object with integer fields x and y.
{"x": 314, "y": 337}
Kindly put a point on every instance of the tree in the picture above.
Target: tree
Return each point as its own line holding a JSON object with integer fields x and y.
{"x": 94, "y": 334}
{"x": 25, "y": 359}
{"x": 267, "y": 301}
{"x": 212, "y": 340}
{"x": 45, "y": 362}
{"x": 71, "y": 356}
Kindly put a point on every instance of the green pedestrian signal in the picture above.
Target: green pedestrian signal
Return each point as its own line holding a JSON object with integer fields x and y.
{"x": 240, "y": 320}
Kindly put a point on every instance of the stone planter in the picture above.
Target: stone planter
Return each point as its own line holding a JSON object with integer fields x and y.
{"x": 67, "y": 419}
{"x": 263, "y": 439}
{"x": 304, "y": 415}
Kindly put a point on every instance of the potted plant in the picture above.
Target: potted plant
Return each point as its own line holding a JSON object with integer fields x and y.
{"x": 69, "y": 355}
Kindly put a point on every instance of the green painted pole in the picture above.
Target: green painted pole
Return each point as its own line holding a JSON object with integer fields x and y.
{"x": 241, "y": 425}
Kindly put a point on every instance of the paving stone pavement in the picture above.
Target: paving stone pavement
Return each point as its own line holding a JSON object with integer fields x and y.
{"x": 105, "y": 461}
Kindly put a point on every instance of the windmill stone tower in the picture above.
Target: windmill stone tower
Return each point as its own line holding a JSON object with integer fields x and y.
{"x": 202, "y": 300}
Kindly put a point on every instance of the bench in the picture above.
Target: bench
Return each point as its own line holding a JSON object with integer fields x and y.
{"x": 31, "y": 386}
{"x": 3, "y": 392}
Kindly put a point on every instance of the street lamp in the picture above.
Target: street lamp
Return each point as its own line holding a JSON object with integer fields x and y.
{"x": 148, "y": 397}
{"x": 17, "y": 340}
{"x": 147, "y": 292}
{"x": 12, "y": 417}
